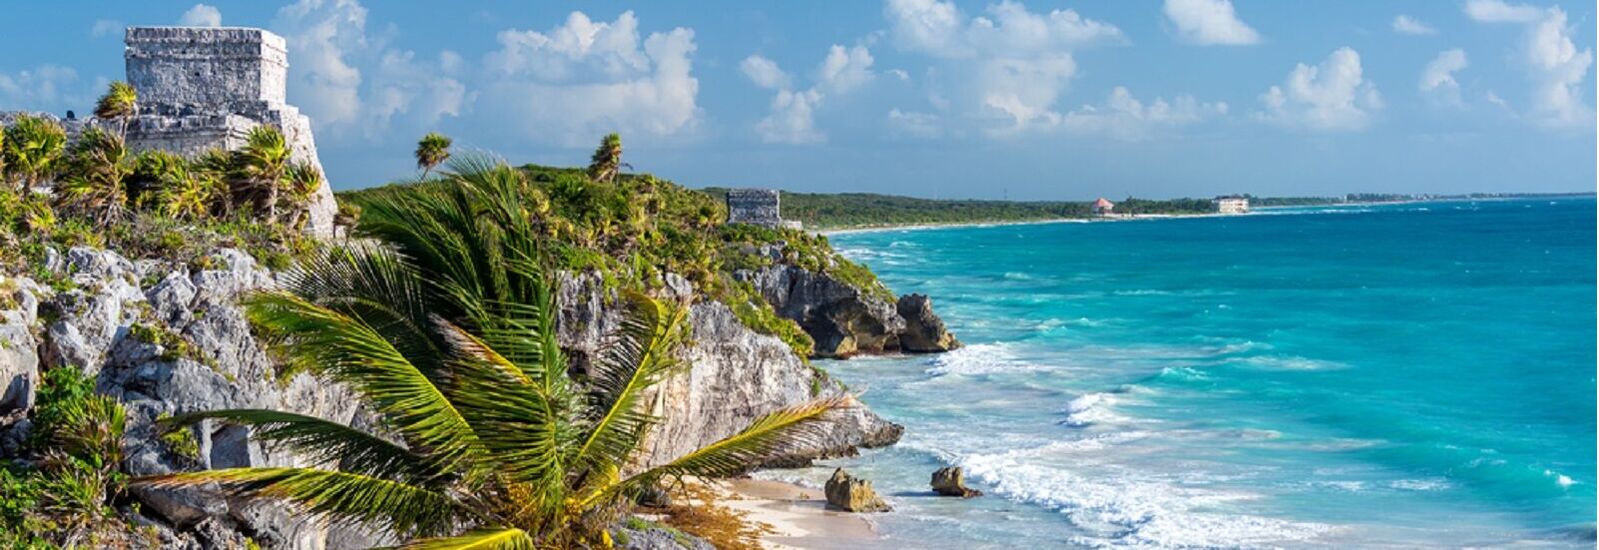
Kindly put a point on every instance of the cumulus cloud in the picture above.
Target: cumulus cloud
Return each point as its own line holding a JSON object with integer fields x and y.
{"x": 1405, "y": 24}
{"x": 584, "y": 78}
{"x": 46, "y": 88}
{"x": 201, "y": 15}
{"x": 1006, "y": 68}
{"x": 1209, "y": 22}
{"x": 1332, "y": 96}
{"x": 1438, "y": 78}
{"x": 844, "y": 69}
{"x": 1124, "y": 117}
{"x": 764, "y": 72}
{"x": 914, "y": 125}
{"x": 106, "y": 27}
{"x": 352, "y": 83}
{"x": 792, "y": 118}
{"x": 1554, "y": 65}
{"x": 1497, "y": 11}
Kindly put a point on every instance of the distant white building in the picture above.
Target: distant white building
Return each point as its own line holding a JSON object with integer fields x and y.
{"x": 1104, "y": 207}
{"x": 1231, "y": 204}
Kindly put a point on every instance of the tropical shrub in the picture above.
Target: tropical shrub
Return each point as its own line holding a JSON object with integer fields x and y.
{"x": 33, "y": 144}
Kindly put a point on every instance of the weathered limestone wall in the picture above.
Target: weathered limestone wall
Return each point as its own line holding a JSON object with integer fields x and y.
{"x": 754, "y": 206}
{"x": 206, "y": 67}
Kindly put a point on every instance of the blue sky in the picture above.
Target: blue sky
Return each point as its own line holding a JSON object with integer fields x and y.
{"x": 1025, "y": 100}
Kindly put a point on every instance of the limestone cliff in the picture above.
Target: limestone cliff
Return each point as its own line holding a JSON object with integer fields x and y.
{"x": 844, "y": 318}
{"x": 168, "y": 339}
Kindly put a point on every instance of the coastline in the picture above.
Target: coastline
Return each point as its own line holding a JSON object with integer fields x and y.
{"x": 925, "y": 226}
{"x": 788, "y": 516}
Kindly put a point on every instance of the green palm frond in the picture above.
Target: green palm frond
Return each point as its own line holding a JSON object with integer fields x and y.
{"x": 782, "y": 429}
{"x": 492, "y": 538}
{"x": 335, "y": 345}
{"x": 637, "y": 359}
{"x": 377, "y": 286}
{"x": 340, "y": 497}
{"x": 323, "y": 441}
{"x": 120, "y": 101}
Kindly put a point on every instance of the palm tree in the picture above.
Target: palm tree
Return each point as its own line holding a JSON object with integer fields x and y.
{"x": 301, "y": 182}
{"x": 496, "y": 445}
{"x": 119, "y": 103}
{"x": 432, "y": 150}
{"x": 259, "y": 168}
{"x": 33, "y": 145}
{"x": 96, "y": 177}
{"x": 213, "y": 168}
{"x": 607, "y": 163}
{"x": 157, "y": 174}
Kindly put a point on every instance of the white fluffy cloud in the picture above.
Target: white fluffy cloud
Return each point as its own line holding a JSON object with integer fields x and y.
{"x": 1556, "y": 68}
{"x": 1332, "y": 96}
{"x": 1005, "y": 69}
{"x": 764, "y": 73}
{"x": 323, "y": 38}
{"x": 1126, "y": 118}
{"x": 793, "y": 113}
{"x": 1405, "y": 24}
{"x": 1438, "y": 78}
{"x": 201, "y": 15}
{"x": 584, "y": 78}
{"x": 1209, "y": 22}
{"x": 910, "y": 124}
{"x": 1497, "y": 11}
{"x": 352, "y": 83}
{"x": 106, "y": 27}
{"x": 792, "y": 119}
{"x": 46, "y": 88}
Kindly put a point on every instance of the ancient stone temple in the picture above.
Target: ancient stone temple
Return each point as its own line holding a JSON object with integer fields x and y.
{"x": 754, "y": 207}
{"x": 205, "y": 87}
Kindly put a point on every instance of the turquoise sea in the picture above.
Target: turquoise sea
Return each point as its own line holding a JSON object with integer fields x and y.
{"x": 1406, "y": 375}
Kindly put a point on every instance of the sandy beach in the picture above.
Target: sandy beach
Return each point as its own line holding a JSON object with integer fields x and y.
{"x": 797, "y": 517}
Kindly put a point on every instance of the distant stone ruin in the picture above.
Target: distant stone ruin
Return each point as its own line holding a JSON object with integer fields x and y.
{"x": 205, "y": 87}
{"x": 754, "y": 207}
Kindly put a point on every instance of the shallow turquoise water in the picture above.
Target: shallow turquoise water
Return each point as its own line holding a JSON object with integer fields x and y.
{"x": 1402, "y": 375}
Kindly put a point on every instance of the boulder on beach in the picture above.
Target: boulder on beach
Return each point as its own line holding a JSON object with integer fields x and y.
{"x": 951, "y": 482}
{"x": 853, "y": 494}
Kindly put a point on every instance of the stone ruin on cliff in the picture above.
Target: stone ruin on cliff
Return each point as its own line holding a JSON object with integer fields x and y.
{"x": 207, "y": 87}
{"x": 760, "y": 207}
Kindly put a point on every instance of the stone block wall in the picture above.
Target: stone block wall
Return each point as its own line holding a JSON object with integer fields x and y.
{"x": 754, "y": 206}
{"x": 204, "y": 68}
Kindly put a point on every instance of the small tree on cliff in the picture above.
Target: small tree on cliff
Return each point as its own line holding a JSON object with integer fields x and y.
{"x": 119, "y": 103}
{"x": 259, "y": 168}
{"x": 607, "y": 163}
{"x": 450, "y": 336}
{"x": 431, "y": 151}
{"x": 95, "y": 182}
{"x": 33, "y": 145}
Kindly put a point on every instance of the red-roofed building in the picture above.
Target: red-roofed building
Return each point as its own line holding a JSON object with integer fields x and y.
{"x": 1103, "y": 207}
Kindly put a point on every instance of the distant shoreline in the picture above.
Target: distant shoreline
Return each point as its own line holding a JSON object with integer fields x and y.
{"x": 1138, "y": 217}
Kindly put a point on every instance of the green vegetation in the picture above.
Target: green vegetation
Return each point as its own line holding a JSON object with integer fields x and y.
{"x": 119, "y": 103}
{"x": 450, "y": 338}
{"x": 607, "y": 163}
{"x": 433, "y": 149}
{"x": 150, "y": 204}
{"x": 61, "y": 493}
{"x": 632, "y": 229}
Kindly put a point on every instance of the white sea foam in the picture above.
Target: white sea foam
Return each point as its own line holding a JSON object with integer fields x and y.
{"x": 1128, "y": 509}
{"x": 979, "y": 359}
{"x": 1430, "y": 484}
{"x": 1089, "y": 409}
{"x": 1288, "y": 362}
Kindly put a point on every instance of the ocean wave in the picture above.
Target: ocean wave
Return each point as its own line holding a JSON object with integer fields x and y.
{"x": 1090, "y": 409}
{"x": 1430, "y": 484}
{"x": 1128, "y": 510}
{"x": 979, "y": 359}
{"x": 1288, "y": 362}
